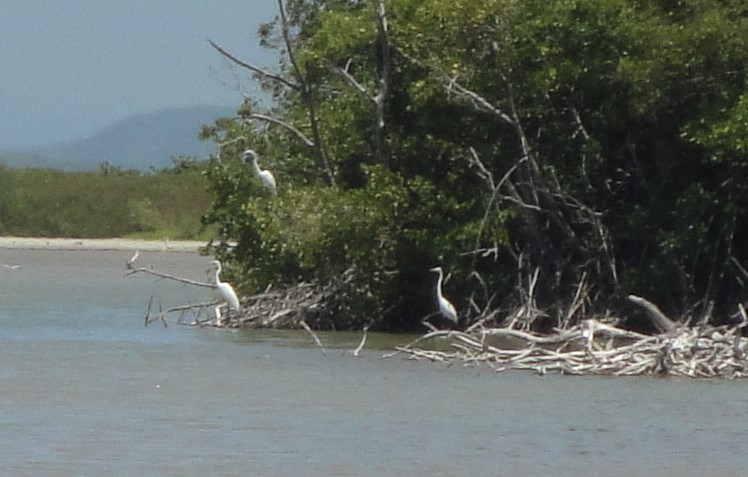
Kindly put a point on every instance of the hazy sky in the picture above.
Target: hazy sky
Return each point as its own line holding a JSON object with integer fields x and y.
{"x": 71, "y": 67}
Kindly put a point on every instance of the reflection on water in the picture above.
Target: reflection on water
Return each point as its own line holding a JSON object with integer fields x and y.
{"x": 87, "y": 390}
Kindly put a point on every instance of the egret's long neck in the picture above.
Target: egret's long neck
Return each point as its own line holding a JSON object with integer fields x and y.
{"x": 439, "y": 284}
{"x": 254, "y": 163}
{"x": 217, "y": 279}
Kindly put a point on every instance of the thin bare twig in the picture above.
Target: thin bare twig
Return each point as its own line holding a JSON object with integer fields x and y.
{"x": 161, "y": 316}
{"x": 479, "y": 101}
{"x": 148, "y": 311}
{"x": 351, "y": 80}
{"x": 380, "y": 97}
{"x": 738, "y": 266}
{"x": 167, "y": 276}
{"x": 255, "y": 69}
{"x": 307, "y": 96}
{"x": 301, "y": 85}
{"x": 279, "y": 122}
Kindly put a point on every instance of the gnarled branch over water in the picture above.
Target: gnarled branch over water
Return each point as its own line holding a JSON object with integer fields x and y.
{"x": 301, "y": 306}
{"x": 151, "y": 271}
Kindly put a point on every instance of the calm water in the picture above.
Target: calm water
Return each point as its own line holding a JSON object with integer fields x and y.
{"x": 86, "y": 389}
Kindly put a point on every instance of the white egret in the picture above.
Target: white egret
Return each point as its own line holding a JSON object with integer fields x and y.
{"x": 226, "y": 291}
{"x": 131, "y": 263}
{"x": 265, "y": 176}
{"x": 446, "y": 308}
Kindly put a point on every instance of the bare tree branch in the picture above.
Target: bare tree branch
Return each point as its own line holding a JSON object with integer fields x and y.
{"x": 149, "y": 271}
{"x": 385, "y": 72}
{"x": 483, "y": 172}
{"x": 380, "y": 99}
{"x": 479, "y": 101}
{"x": 488, "y": 177}
{"x": 161, "y": 316}
{"x": 289, "y": 49}
{"x": 540, "y": 197}
{"x": 351, "y": 80}
{"x": 301, "y": 85}
{"x": 739, "y": 267}
{"x": 308, "y": 97}
{"x": 264, "y": 117}
{"x": 255, "y": 69}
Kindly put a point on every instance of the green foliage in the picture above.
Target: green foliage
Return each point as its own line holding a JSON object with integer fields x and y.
{"x": 380, "y": 233}
{"x": 633, "y": 111}
{"x": 109, "y": 203}
{"x": 7, "y": 199}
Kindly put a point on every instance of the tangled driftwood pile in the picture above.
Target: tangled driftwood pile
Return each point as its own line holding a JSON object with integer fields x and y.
{"x": 302, "y": 306}
{"x": 293, "y": 307}
{"x": 590, "y": 347}
{"x": 594, "y": 348}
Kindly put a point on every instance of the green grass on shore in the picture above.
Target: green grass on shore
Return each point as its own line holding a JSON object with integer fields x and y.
{"x": 107, "y": 203}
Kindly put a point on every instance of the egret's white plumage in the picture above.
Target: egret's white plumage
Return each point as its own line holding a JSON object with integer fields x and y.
{"x": 226, "y": 291}
{"x": 446, "y": 308}
{"x": 265, "y": 176}
{"x": 131, "y": 263}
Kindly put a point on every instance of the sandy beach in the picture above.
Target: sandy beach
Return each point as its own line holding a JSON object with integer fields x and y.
{"x": 41, "y": 243}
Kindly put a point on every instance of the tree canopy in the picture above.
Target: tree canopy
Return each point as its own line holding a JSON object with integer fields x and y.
{"x": 554, "y": 156}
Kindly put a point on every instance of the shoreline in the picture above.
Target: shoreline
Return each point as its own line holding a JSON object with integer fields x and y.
{"x": 114, "y": 244}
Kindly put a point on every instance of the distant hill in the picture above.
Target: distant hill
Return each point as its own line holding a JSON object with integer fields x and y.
{"x": 137, "y": 142}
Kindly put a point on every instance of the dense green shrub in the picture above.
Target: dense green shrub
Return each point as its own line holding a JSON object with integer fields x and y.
{"x": 613, "y": 132}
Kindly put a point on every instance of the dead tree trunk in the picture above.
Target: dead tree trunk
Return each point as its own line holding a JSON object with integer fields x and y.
{"x": 384, "y": 68}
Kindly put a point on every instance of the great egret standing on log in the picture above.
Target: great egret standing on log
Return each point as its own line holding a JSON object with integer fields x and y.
{"x": 446, "y": 308}
{"x": 265, "y": 176}
{"x": 226, "y": 291}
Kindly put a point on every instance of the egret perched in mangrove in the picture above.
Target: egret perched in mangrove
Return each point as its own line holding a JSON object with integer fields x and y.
{"x": 446, "y": 308}
{"x": 226, "y": 291}
{"x": 265, "y": 176}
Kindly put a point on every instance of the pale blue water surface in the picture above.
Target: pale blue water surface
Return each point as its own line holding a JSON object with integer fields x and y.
{"x": 87, "y": 390}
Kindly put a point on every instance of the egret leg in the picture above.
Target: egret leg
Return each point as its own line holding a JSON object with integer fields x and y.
{"x": 217, "y": 310}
